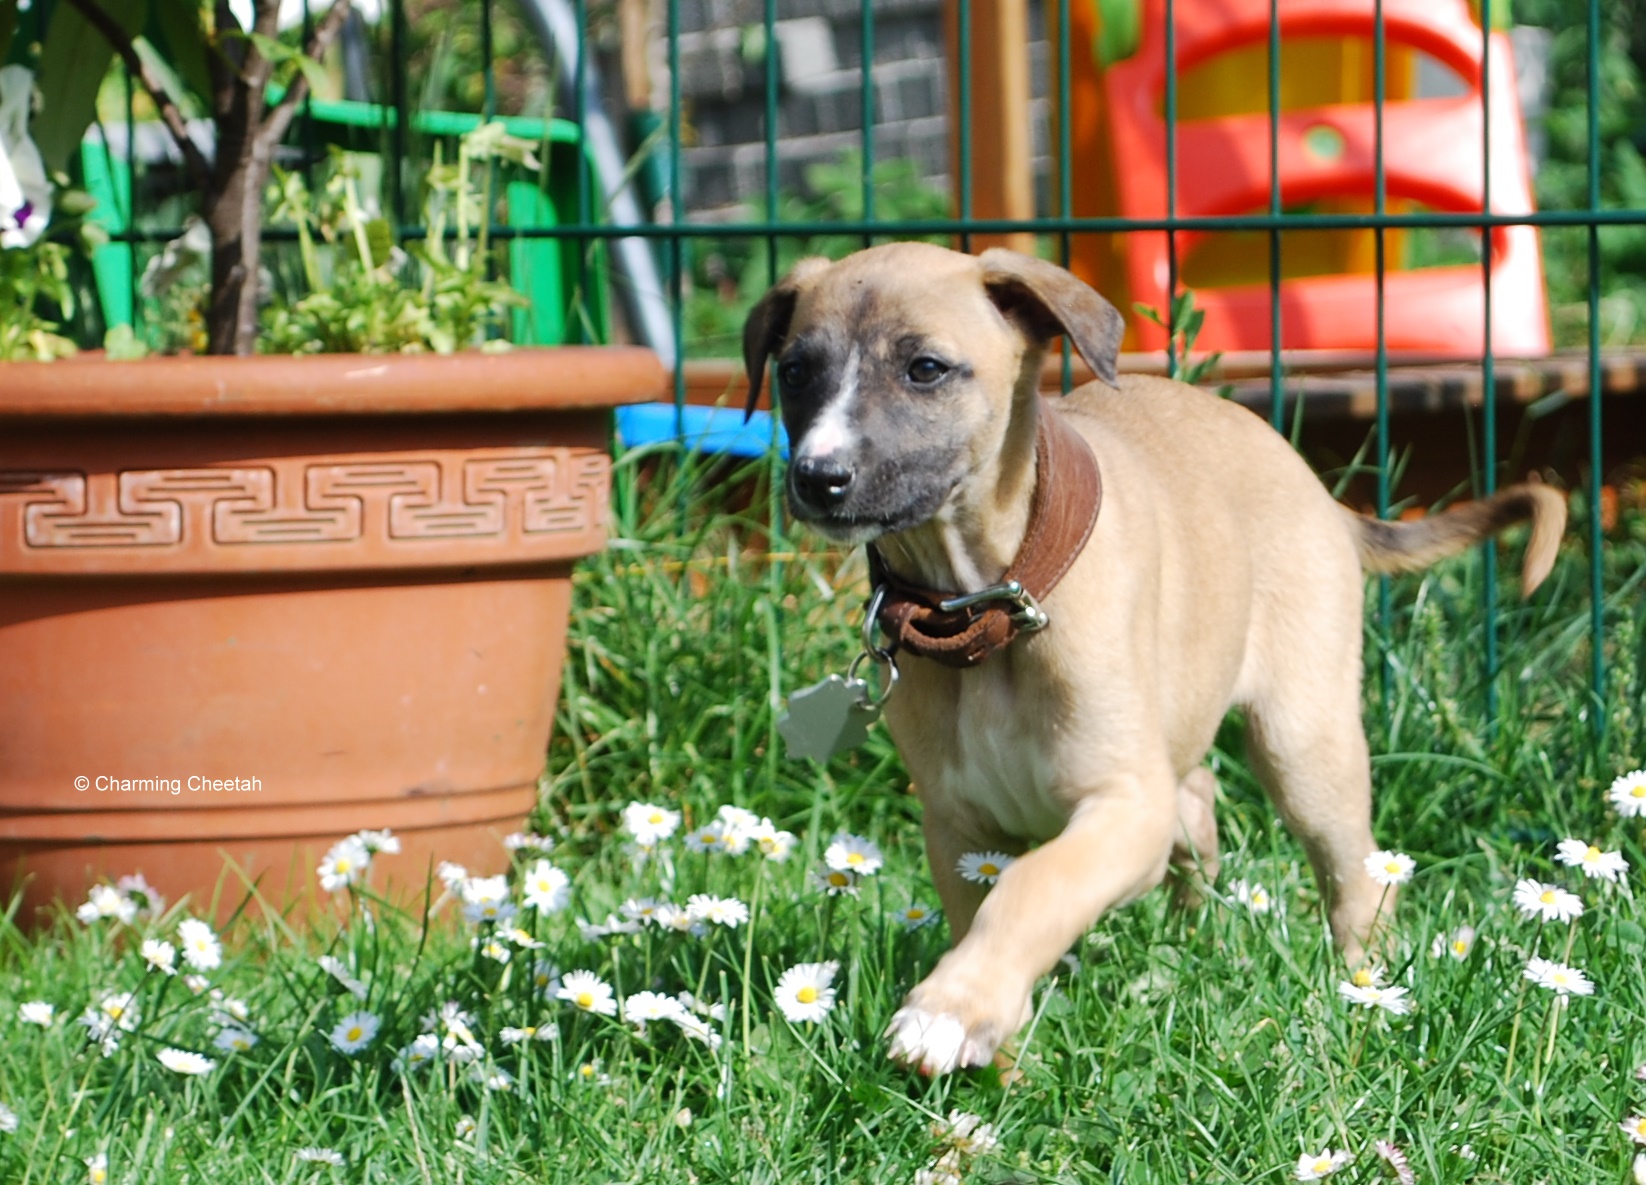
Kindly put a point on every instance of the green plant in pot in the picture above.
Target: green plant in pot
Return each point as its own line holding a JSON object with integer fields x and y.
{"x": 250, "y": 604}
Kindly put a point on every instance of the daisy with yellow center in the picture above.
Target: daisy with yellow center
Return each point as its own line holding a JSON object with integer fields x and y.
{"x": 853, "y": 853}
{"x": 587, "y": 991}
{"x": 835, "y": 881}
{"x": 1559, "y": 978}
{"x": 354, "y": 1032}
{"x": 1390, "y": 868}
{"x": 916, "y": 915}
{"x": 1458, "y": 944}
{"x": 1253, "y": 896}
{"x": 1312, "y": 1166}
{"x": 983, "y": 868}
{"x": 1596, "y": 864}
{"x": 1635, "y": 1128}
{"x": 804, "y": 992}
{"x": 1549, "y": 903}
{"x": 1628, "y": 794}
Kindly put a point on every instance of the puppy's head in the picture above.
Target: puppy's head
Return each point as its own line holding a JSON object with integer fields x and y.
{"x": 900, "y": 369}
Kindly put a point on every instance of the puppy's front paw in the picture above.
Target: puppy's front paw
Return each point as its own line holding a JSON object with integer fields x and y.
{"x": 938, "y": 1032}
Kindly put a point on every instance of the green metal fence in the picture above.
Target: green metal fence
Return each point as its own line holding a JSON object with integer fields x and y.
{"x": 583, "y": 213}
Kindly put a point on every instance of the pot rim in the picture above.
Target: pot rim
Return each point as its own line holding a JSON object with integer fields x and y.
{"x": 570, "y": 378}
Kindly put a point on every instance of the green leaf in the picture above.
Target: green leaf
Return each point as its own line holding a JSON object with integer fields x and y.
{"x": 380, "y": 237}
{"x": 73, "y": 61}
{"x": 278, "y": 52}
{"x": 181, "y": 39}
{"x": 1119, "y": 30}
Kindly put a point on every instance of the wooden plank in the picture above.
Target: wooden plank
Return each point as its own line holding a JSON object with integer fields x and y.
{"x": 1001, "y": 135}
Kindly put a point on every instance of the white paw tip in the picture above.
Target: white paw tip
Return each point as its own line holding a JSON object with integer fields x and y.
{"x": 933, "y": 1042}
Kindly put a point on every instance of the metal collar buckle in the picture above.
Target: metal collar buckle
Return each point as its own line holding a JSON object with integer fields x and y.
{"x": 1026, "y": 613}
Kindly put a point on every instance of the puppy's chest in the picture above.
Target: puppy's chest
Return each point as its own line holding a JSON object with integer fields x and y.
{"x": 988, "y": 749}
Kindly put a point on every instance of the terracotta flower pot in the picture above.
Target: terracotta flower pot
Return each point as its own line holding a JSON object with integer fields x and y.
{"x": 251, "y": 605}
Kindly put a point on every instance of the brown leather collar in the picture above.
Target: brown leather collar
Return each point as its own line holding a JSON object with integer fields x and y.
{"x": 963, "y": 630}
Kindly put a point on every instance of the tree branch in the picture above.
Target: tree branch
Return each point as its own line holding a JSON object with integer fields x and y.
{"x": 278, "y": 120}
{"x": 193, "y": 159}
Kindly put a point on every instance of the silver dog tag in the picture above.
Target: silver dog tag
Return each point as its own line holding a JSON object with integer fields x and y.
{"x": 827, "y": 718}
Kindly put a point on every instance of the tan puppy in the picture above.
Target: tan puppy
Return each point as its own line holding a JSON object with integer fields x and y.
{"x": 1219, "y": 573}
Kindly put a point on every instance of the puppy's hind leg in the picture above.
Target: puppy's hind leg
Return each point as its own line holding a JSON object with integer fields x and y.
{"x": 1194, "y": 861}
{"x": 1308, "y": 748}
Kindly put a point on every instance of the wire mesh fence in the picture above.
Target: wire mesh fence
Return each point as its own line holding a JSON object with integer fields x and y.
{"x": 1303, "y": 186}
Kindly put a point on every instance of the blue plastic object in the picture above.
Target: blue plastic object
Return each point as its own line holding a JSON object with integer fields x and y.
{"x": 702, "y": 429}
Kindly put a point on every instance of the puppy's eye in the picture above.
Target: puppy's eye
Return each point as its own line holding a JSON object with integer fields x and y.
{"x": 793, "y": 374}
{"x": 926, "y": 371}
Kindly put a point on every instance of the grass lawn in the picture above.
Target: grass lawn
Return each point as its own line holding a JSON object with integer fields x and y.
{"x": 1210, "y": 1045}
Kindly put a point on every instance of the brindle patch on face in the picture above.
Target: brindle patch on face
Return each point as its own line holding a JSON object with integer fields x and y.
{"x": 905, "y": 443}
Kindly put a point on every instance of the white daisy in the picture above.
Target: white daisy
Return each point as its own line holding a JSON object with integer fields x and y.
{"x": 494, "y": 950}
{"x": 228, "y": 1010}
{"x": 711, "y": 837}
{"x": 383, "y": 841}
{"x": 1312, "y": 1166}
{"x": 321, "y": 1156}
{"x": 201, "y": 950}
{"x": 8, "y": 1120}
{"x": 235, "y": 1040}
{"x": 525, "y": 841}
{"x": 496, "y": 1078}
{"x": 967, "y": 1133}
{"x": 984, "y": 868}
{"x": 113, "y": 1014}
{"x": 525, "y": 1033}
{"x": 160, "y": 955}
{"x": 1397, "y": 1162}
{"x": 719, "y": 911}
{"x": 1390, "y": 999}
{"x": 545, "y": 888}
{"x": 1635, "y": 1128}
{"x": 336, "y": 968}
{"x": 1457, "y": 945}
{"x": 737, "y": 829}
{"x": 915, "y": 915}
{"x": 184, "y": 1062}
{"x": 523, "y": 938}
{"x": 105, "y": 901}
{"x": 545, "y": 978}
{"x": 1628, "y": 794}
{"x": 804, "y": 993}
{"x": 36, "y": 1012}
{"x": 486, "y": 899}
{"x": 423, "y": 1050}
{"x": 451, "y": 874}
{"x": 1551, "y": 903}
{"x": 690, "y": 1003}
{"x": 650, "y": 824}
{"x": 697, "y": 1029}
{"x": 641, "y": 909}
{"x": 354, "y": 1032}
{"x": 835, "y": 881}
{"x": 853, "y": 853}
{"x": 588, "y": 991}
{"x": 647, "y": 1006}
{"x": 1639, "y": 1168}
{"x": 1253, "y": 896}
{"x": 145, "y": 896}
{"x": 1559, "y": 978}
{"x": 669, "y": 916}
{"x": 1574, "y": 853}
{"x": 465, "y": 1127}
{"x": 344, "y": 865}
{"x": 775, "y": 845}
{"x": 97, "y": 1169}
{"x": 1390, "y": 868}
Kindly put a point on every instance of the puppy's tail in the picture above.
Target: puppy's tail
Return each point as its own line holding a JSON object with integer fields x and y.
{"x": 1408, "y": 547}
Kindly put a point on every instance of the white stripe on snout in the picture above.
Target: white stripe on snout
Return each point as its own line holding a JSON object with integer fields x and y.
{"x": 832, "y": 431}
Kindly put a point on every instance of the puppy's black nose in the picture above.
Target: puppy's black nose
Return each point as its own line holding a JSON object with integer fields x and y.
{"x": 821, "y": 482}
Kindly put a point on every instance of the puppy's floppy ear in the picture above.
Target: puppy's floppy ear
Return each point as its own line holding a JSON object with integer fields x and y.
{"x": 768, "y": 324}
{"x": 1048, "y": 301}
